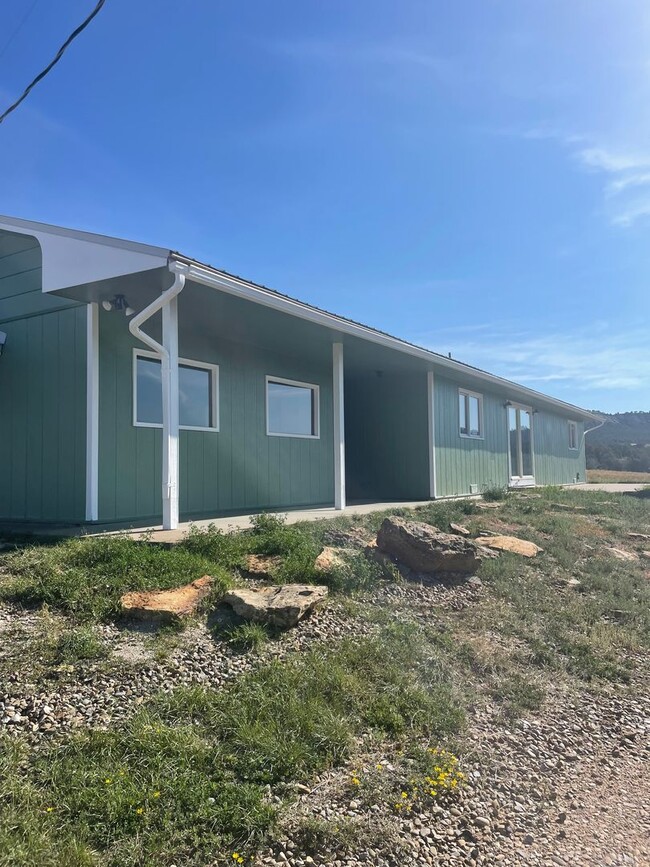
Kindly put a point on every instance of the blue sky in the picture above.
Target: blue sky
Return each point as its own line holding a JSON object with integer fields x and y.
{"x": 472, "y": 176}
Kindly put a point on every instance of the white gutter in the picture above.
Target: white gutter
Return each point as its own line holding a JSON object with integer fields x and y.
{"x": 590, "y": 429}
{"x": 259, "y": 295}
{"x": 168, "y": 352}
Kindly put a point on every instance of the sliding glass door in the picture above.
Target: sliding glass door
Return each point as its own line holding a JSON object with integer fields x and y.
{"x": 520, "y": 440}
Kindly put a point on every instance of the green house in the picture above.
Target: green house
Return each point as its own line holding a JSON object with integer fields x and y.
{"x": 138, "y": 385}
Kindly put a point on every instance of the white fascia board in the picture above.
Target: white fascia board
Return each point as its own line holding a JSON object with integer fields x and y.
{"x": 73, "y": 258}
{"x": 259, "y": 295}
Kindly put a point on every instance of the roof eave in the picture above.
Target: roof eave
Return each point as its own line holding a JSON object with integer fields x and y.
{"x": 209, "y": 276}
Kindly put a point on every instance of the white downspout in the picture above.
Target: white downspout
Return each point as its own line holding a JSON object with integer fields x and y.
{"x": 168, "y": 352}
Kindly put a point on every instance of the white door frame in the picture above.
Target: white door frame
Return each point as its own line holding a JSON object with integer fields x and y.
{"x": 516, "y": 481}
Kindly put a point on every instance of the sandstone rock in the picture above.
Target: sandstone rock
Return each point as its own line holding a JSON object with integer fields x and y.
{"x": 262, "y": 566}
{"x": 639, "y": 537}
{"x": 425, "y": 549}
{"x": 328, "y": 559}
{"x": 280, "y": 606}
{"x": 166, "y": 604}
{"x": 619, "y": 554}
{"x": 459, "y": 529}
{"x": 510, "y": 543}
{"x": 388, "y": 564}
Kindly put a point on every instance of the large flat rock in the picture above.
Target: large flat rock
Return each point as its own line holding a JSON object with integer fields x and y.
{"x": 510, "y": 543}
{"x": 166, "y": 604}
{"x": 281, "y": 607}
{"x": 425, "y": 549}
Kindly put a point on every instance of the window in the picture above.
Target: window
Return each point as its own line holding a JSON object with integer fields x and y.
{"x": 470, "y": 413}
{"x": 197, "y": 393}
{"x": 573, "y": 434}
{"x": 291, "y": 408}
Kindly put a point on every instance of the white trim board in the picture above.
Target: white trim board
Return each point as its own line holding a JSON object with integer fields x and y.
{"x": 92, "y": 412}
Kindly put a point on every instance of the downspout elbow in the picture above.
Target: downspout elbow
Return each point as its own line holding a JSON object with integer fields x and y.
{"x": 180, "y": 271}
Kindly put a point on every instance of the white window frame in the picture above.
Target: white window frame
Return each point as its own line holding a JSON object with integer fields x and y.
{"x": 466, "y": 393}
{"x": 315, "y": 404}
{"x": 573, "y": 426}
{"x": 184, "y": 362}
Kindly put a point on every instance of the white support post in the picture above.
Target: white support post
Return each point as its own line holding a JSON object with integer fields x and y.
{"x": 92, "y": 412}
{"x": 339, "y": 427}
{"x": 431, "y": 393}
{"x": 170, "y": 472}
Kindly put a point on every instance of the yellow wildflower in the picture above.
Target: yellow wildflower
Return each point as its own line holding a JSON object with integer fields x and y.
{"x": 140, "y": 811}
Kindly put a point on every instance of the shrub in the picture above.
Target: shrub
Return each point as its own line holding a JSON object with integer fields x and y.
{"x": 494, "y": 493}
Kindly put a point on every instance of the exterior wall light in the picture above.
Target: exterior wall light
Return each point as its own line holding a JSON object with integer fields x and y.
{"x": 118, "y": 302}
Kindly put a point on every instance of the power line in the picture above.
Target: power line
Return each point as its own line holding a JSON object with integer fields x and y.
{"x": 58, "y": 56}
{"x": 18, "y": 29}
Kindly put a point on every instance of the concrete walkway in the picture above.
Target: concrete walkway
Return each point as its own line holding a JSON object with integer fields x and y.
{"x": 243, "y": 522}
{"x": 609, "y": 487}
{"x": 155, "y": 533}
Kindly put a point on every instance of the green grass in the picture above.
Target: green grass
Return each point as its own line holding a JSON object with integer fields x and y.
{"x": 184, "y": 781}
{"x": 86, "y": 577}
{"x": 74, "y": 644}
{"x": 248, "y": 636}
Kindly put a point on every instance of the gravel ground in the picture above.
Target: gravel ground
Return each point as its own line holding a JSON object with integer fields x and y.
{"x": 565, "y": 786}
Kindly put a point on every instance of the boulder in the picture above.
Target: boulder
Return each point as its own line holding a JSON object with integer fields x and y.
{"x": 166, "y": 604}
{"x": 425, "y": 549}
{"x": 281, "y": 607}
{"x": 328, "y": 559}
{"x": 459, "y": 530}
{"x": 510, "y": 543}
{"x": 389, "y": 565}
{"x": 262, "y": 566}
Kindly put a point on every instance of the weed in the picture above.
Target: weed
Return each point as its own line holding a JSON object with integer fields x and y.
{"x": 73, "y": 645}
{"x": 494, "y": 493}
{"x": 248, "y": 636}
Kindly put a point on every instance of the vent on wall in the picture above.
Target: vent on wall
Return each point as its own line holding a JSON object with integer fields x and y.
{"x": 473, "y": 489}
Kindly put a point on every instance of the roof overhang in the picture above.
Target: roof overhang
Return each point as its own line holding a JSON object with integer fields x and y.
{"x": 73, "y": 258}
{"x": 208, "y": 276}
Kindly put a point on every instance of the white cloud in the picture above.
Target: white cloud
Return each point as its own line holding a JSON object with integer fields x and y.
{"x": 626, "y": 172}
{"x": 586, "y": 361}
{"x": 612, "y": 161}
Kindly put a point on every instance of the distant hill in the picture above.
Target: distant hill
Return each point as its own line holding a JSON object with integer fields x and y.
{"x": 622, "y": 443}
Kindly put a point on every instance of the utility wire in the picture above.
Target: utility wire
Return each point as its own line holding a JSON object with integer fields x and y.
{"x": 18, "y": 29}
{"x": 58, "y": 56}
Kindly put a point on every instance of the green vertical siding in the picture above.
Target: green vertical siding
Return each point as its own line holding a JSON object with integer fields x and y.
{"x": 386, "y": 434}
{"x": 555, "y": 462}
{"x": 42, "y": 393}
{"x": 462, "y": 461}
{"x": 238, "y": 468}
